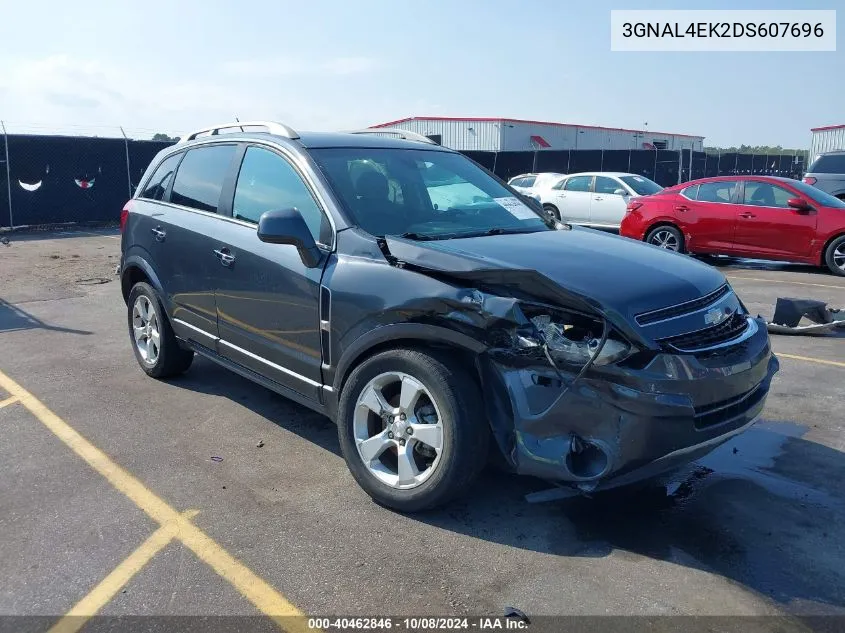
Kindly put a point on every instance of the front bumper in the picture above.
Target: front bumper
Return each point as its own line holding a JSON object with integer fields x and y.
{"x": 616, "y": 425}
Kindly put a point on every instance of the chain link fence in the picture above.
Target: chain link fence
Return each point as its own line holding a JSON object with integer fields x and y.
{"x": 665, "y": 167}
{"x": 62, "y": 179}
{"x": 47, "y": 180}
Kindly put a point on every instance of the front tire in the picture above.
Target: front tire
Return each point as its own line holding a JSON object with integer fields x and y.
{"x": 156, "y": 348}
{"x": 834, "y": 256}
{"x": 666, "y": 236}
{"x": 412, "y": 429}
{"x": 552, "y": 211}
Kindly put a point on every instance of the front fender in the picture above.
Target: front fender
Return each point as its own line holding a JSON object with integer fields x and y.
{"x": 422, "y": 332}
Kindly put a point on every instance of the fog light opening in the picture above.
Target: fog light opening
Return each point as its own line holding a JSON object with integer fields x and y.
{"x": 587, "y": 459}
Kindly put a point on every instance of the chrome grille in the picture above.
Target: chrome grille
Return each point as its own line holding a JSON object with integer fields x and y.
{"x": 708, "y": 337}
{"x": 646, "y": 318}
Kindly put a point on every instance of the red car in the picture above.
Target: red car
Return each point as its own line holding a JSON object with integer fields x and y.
{"x": 762, "y": 217}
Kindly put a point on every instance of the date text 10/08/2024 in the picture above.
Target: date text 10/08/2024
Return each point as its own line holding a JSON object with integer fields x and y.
{"x": 418, "y": 624}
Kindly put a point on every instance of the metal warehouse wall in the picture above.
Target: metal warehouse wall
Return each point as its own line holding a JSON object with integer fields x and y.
{"x": 493, "y": 136}
{"x": 827, "y": 141}
{"x": 517, "y": 137}
{"x": 461, "y": 135}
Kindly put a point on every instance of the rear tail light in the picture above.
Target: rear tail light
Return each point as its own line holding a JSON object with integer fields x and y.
{"x": 124, "y": 215}
{"x": 809, "y": 180}
{"x": 633, "y": 205}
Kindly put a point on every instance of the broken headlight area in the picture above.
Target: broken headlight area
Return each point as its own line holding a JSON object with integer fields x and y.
{"x": 569, "y": 340}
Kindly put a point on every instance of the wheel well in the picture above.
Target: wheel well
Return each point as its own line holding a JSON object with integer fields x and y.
{"x": 131, "y": 276}
{"x": 826, "y": 244}
{"x": 463, "y": 356}
{"x": 657, "y": 225}
{"x": 549, "y": 204}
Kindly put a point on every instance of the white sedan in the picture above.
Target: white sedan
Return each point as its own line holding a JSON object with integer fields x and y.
{"x": 526, "y": 183}
{"x": 594, "y": 199}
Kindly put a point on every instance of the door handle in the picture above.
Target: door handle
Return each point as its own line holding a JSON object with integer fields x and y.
{"x": 681, "y": 208}
{"x": 225, "y": 257}
{"x": 747, "y": 215}
{"x": 159, "y": 233}
{"x": 597, "y": 198}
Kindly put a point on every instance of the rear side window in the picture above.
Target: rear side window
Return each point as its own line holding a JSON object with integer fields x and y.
{"x": 604, "y": 184}
{"x": 268, "y": 182}
{"x": 157, "y": 185}
{"x": 200, "y": 177}
{"x": 830, "y": 164}
{"x": 578, "y": 183}
{"x": 690, "y": 192}
{"x": 717, "y": 191}
{"x": 528, "y": 182}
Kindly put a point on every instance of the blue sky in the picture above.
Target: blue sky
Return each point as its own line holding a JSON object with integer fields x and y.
{"x": 333, "y": 64}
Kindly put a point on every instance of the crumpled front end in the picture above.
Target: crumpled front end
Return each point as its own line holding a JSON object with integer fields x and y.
{"x": 620, "y": 424}
{"x": 580, "y": 392}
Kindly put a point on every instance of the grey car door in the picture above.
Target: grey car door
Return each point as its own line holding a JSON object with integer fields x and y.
{"x": 189, "y": 230}
{"x": 267, "y": 299}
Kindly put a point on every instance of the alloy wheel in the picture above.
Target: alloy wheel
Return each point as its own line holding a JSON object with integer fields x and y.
{"x": 145, "y": 330}
{"x": 839, "y": 256}
{"x": 665, "y": 239}
{"x": 398, "y": 430}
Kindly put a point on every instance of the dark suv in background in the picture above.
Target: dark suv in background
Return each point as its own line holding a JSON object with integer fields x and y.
{"x": 827, "y": 172}
{"x": 418, "y": 301}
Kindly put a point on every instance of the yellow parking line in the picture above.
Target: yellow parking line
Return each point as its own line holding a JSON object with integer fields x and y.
{"x": 8, "y": 401}
{"x": 785, "y": 281}
{"x": 100, "y": 595}
{"x": 810, "y": 359}
{"x": 261, "y": 594}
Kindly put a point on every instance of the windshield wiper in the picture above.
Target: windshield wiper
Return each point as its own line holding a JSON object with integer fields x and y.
{"x": 419, "y": 237}
{"x": 500, "y": 230}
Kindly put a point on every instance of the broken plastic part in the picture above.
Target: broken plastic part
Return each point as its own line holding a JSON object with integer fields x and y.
{"x": 790, "y": 312}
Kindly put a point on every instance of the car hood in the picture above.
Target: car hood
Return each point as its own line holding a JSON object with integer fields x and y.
{"x": 577, "y": 267}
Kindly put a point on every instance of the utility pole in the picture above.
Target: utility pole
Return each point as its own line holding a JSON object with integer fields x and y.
{"x": 128, "y": 167}
{"x": 8, "y": 174}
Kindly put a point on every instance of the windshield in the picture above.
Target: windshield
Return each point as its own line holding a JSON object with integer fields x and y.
{"x": 641, "y": 185}
{"x": 423, "y": 194}
{"x": 824, "y": 199}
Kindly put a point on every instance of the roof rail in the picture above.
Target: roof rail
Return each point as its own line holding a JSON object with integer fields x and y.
{"x": 280, "y": 129}
{"x": 403, "y": 134}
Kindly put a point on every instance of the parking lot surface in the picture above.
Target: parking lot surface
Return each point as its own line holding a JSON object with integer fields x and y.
{"x": 123, "y": 495}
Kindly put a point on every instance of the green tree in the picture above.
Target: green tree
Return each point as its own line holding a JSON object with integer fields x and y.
{"x": 163, "y": 137}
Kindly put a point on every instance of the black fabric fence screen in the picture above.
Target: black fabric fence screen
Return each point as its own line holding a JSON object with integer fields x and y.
{"x": 662, "y": 166}
{"x": 62, "y": 179}
{"x": 69, "y": 179}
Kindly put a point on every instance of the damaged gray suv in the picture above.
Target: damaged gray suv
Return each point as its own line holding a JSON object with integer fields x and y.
{"x": 438, "y": 316}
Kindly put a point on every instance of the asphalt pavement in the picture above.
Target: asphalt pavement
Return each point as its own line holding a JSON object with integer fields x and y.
{"x": 96, "y": 458}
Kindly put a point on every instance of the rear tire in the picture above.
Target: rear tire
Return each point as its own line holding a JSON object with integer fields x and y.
{"x": 156, "y": 348}
{"x": 666, "y": 236}
{"x": 834, "y": 256}
{"x": 406, "y": 470}
{"x": 552, "y": 211}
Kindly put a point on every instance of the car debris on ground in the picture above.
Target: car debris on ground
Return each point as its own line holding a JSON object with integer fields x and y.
{"x": 791, "y": 313}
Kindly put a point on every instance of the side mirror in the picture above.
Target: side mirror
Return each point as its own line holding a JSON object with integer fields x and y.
{"x": 799, "y": 205}
{"x": 287, "y": 226}
{"x": 620, "y": 192}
